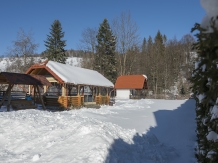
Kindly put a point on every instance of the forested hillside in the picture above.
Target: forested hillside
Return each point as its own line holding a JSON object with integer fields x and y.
{"x": 168, "y": 64}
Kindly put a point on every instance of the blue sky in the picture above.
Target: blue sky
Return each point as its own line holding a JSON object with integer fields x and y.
{"x": 171, "y": 17}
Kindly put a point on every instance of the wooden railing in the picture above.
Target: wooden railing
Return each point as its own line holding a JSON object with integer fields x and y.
{"x": 22, "y": 104}
{"x": 73, "y": 101}
{"x": 15, "y": 95}
{"x": 102, "y": 100}
{"x": 64, "y": 101}
{"x": 51, "y": 101}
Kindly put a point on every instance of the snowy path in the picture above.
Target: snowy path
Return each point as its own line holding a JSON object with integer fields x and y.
{"x": 152, "y": 131}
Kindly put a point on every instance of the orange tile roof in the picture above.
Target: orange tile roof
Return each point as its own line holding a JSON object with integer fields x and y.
{"x": 131, "y": 82}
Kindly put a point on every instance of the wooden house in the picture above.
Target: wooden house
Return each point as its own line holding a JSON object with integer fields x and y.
{"x": 131, "y": 86}
{"x": 72, "y": 86}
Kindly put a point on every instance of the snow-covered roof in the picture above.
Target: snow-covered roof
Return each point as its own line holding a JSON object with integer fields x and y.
{"x": 77, "y": 75}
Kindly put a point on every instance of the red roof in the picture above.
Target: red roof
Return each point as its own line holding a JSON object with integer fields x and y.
{"x": 131, "y": 82}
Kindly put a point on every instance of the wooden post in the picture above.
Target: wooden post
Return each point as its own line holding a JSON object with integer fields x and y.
{"x": 99, "y": 94}
{"x": 40, "y": 97}
{"x": 10, "y": 86}
{"x": 9, "y": 99}
{"x": 44, "y": 88}
{"x": 66, "y": 94}
{"x": 94, "y": 94}
{"x": 34, "y": 92}
{"x": 29, "y": 90}
{"x": 99, "y": 91}
{"x": 78, "y": 90}
{"x": 96, "y": 91}
{"x": 92, "y": 89}
{"x": 83, "y": 91}
{"x": 107, "y": 97}
{"x": 63, "y": 90}
{"x": 67, "y": 90}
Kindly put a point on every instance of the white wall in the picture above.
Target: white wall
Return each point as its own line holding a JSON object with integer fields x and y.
{"x": 123, "y": 93}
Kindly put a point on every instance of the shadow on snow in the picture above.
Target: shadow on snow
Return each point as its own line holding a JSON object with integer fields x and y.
{"x": 172, "y": 139}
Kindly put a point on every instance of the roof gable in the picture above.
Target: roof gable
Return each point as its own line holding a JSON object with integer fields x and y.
{"x": 131, "y": 82}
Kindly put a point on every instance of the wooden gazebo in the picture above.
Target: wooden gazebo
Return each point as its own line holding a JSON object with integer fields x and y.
{"x": 25, "y": 79}
{"x": 72, "y": 86}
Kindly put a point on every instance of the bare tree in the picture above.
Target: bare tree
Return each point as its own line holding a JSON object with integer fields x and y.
{"x": 89, "y": 40}
{"x": 172, "y": 63}
{"x": 24, "y": 46}
{"x": 88, "y": 44}
{"x": 132, "y": 63}
{"x": 125, "y": 30}
{"x": 188, "y": 56}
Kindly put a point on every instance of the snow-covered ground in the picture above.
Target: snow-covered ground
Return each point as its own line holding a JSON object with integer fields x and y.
{"x": 131, "y": 131}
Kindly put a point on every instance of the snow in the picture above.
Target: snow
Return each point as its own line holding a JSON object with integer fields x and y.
{"x": 36, "y": 157}
{"x": 212, "y": 136}
{"x": 201, "y": 97}
{"x": 214, "y": 110}
{"x": 134, "y": 131}
{"x": 74, "y": 61}
{"x": 3, "y": 63}
{"x": 145, "y": 77}
{"x": 196, "y": 64}
{"x": 77, "y": 75}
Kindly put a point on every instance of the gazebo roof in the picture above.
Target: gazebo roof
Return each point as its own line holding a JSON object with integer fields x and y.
{"x": 18, "y": 78}
{"x": 131, "y": 82}
{"x": 73, "y": 75}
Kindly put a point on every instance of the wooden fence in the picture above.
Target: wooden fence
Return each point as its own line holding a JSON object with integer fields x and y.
{"x": 73, "y": 101}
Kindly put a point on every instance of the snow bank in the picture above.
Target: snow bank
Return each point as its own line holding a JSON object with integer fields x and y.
{"x": 56, "y": 137}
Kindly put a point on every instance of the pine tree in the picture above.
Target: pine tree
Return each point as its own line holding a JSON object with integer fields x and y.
{"x": 144, "y": 43}
{"x": 105, "y": 60}
{"x": 205, "y": 87}
{"x": 158, "y": 65}
{"x": 54, "y": 43}
{"x": 142, "y": 60}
